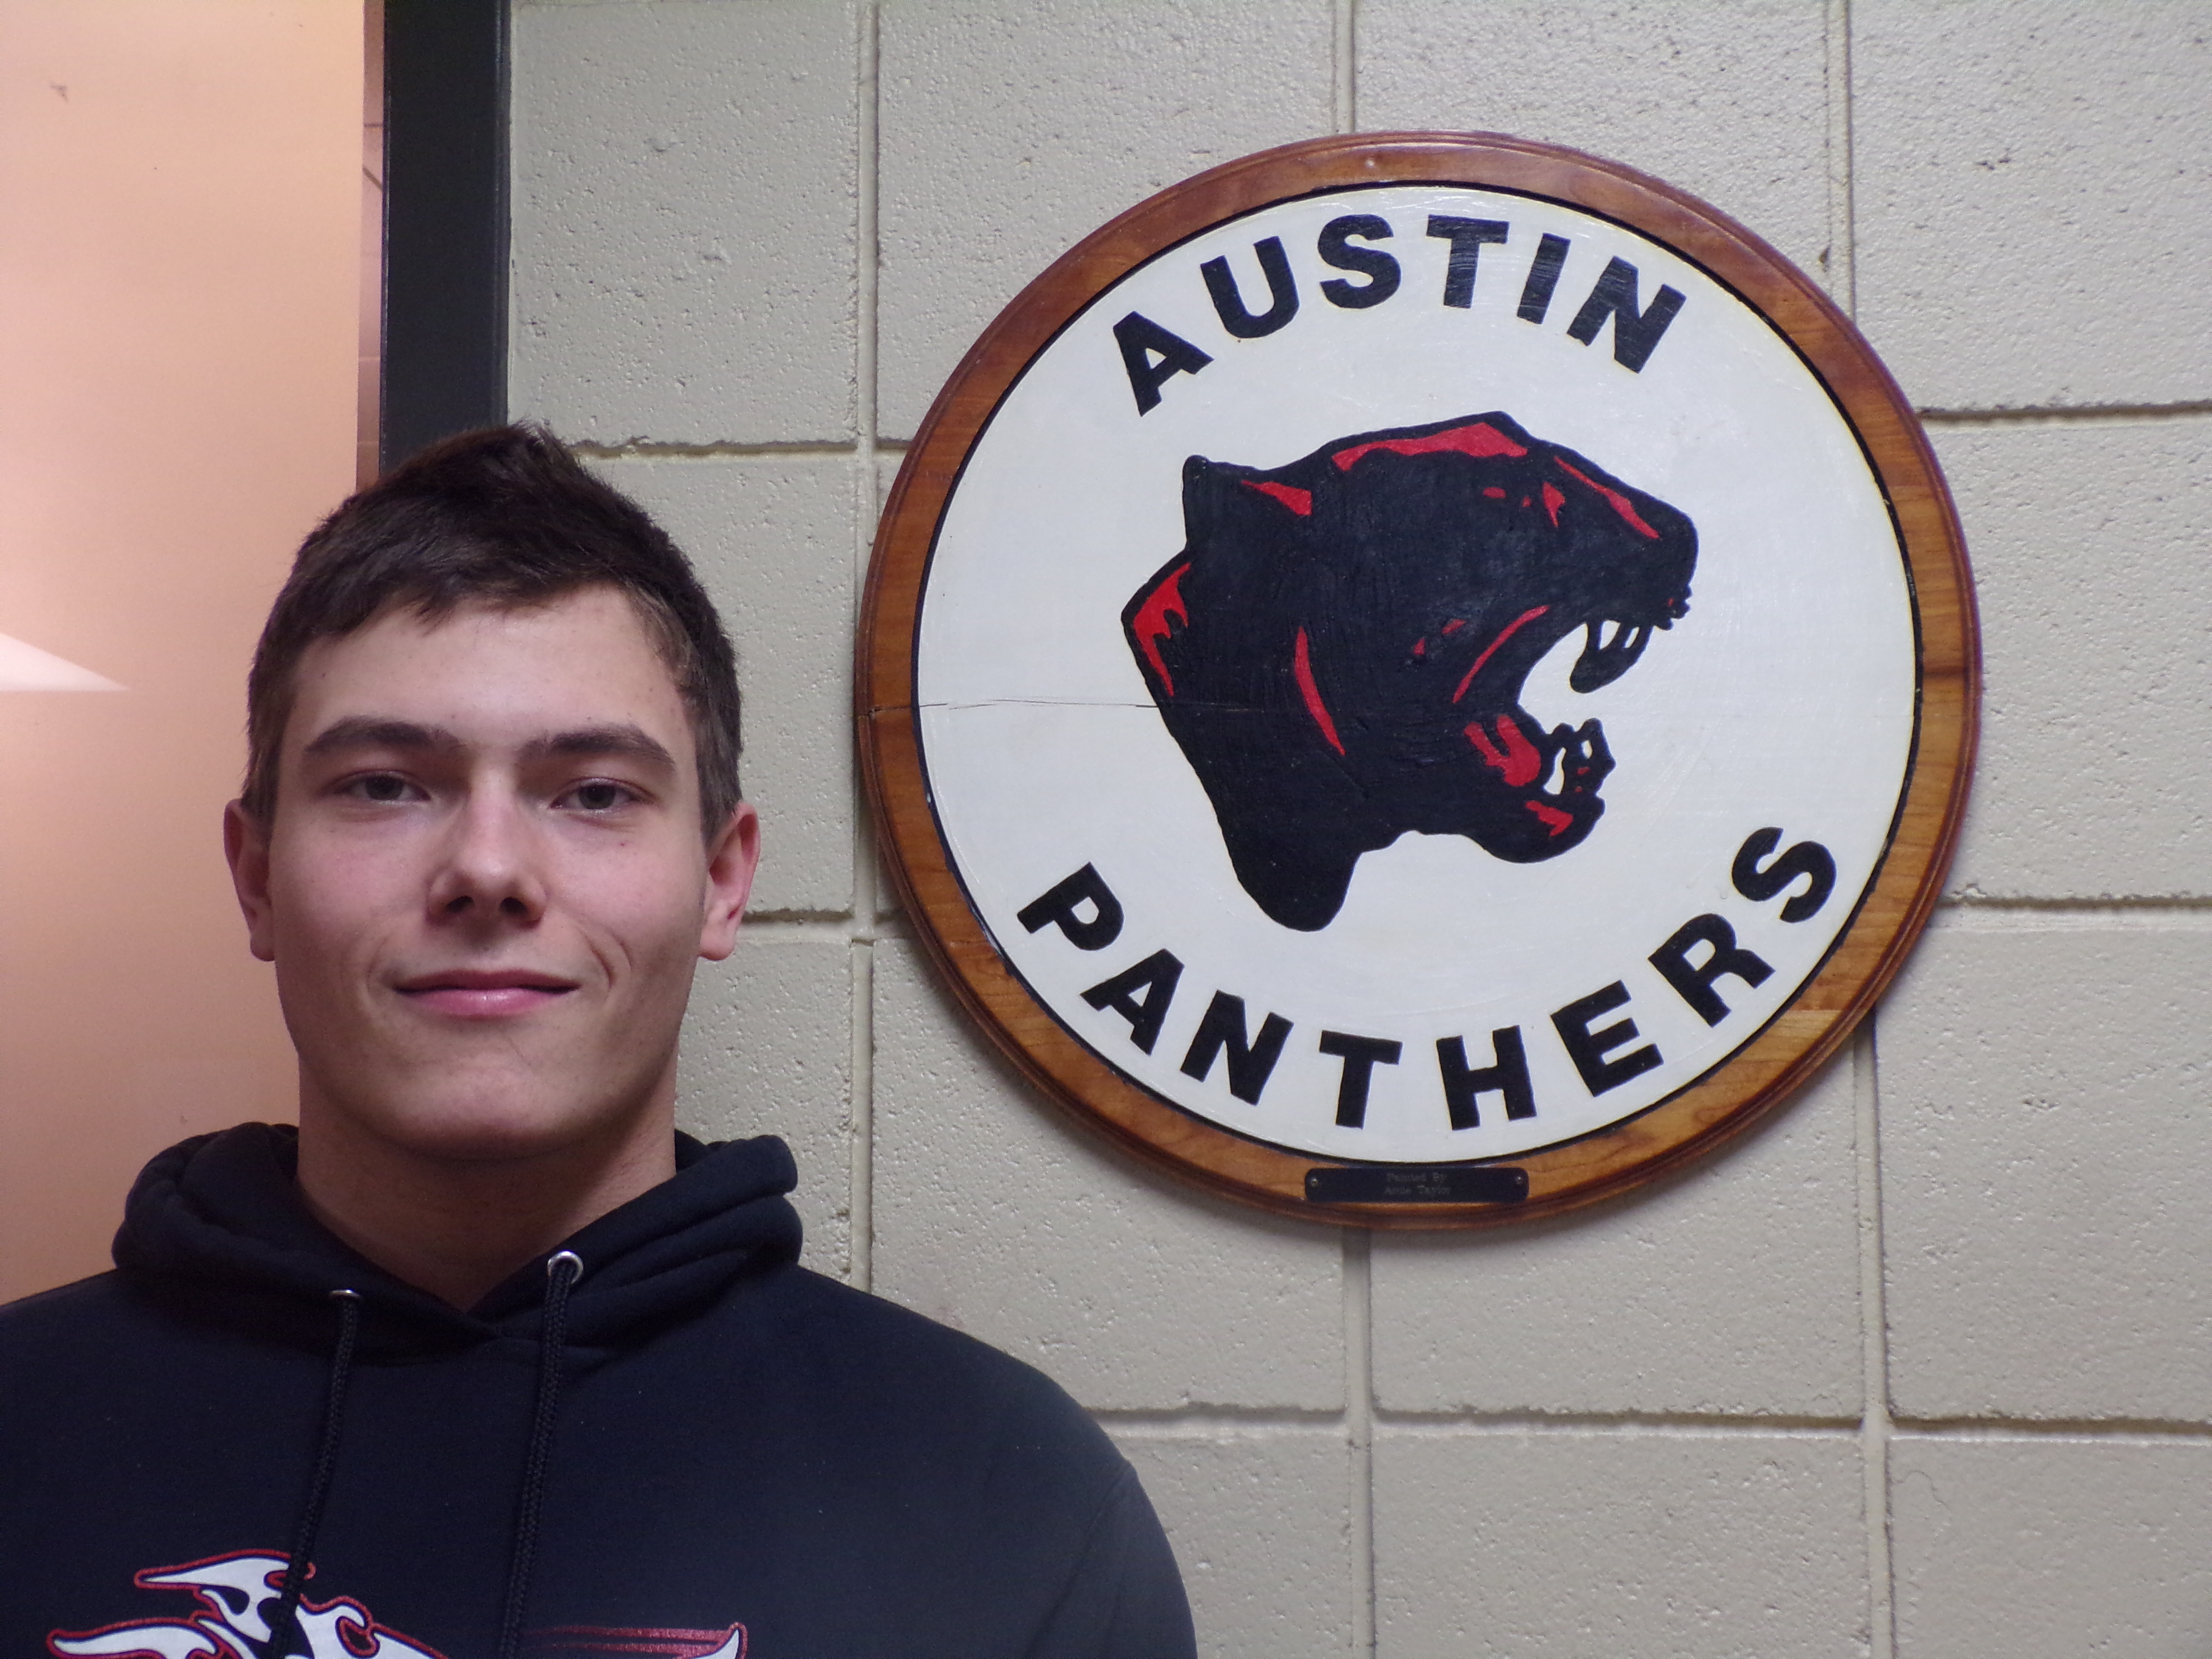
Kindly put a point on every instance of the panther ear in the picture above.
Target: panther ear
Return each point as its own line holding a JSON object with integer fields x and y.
{"x": 1216, "y": 490}
{"x": 1202, "y": 496}
{"x": 1210, "y": 503}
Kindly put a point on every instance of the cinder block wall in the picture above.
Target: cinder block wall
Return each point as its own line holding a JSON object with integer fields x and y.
{"x": 1923, "y": 1368}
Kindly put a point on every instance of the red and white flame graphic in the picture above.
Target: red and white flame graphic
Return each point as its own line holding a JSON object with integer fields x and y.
{"x": 238, "y": 1594}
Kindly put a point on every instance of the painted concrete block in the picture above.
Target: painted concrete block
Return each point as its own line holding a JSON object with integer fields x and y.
{"x": 2051, "y": 1549}
{"x": 2088, "y": 545}
{"x": 768, "y": 1049}
{"x": 685, "y": 205}
{"x": 1726, "y": 99}
{"x": 2046, "y": 1122}
{"x": 1732, "y": 1288}
{"x": 1662, "y": 1546}
{"x": 1261, "y": 1526}
{"x": 1011, "y": 129}
{"x": 995, "y": 1214}
{"x": 773, "y": 539}
{"x": 2032, "y": 193}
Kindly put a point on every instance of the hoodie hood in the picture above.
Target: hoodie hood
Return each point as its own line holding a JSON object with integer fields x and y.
{"x": 217, "y": 1223}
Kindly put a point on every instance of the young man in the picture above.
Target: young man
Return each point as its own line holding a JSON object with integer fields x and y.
{"x": 487, "y": 1359}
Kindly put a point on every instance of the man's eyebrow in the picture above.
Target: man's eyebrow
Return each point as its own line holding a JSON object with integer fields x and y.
{"x": 373, "y": 731}
{"x": 369, "y": 732}
{"x": 588, "y": 740}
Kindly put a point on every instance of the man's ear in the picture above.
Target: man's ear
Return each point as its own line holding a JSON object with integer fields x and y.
{"x": 245, "y": 844}
{"x": 731, "y": 858}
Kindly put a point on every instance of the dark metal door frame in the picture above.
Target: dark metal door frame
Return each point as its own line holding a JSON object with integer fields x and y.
{"x": 444, "y": 220}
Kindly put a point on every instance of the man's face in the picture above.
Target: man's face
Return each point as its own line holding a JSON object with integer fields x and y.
{"x": 483, "y": 885}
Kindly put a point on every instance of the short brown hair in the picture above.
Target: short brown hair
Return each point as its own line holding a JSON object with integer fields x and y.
{"x": 507, "y": 516}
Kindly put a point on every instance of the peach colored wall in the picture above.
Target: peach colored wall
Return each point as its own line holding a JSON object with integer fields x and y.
{"x": 180, "y": 214}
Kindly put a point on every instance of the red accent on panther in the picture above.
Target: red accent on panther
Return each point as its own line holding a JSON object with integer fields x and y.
{"x": 1550, "y": 816}
{"x": 1151, "y": 626}
{"x": 1302, "y": 665}
{"x": 1504, "y": 634}
{"x": 1619, "y": 502}
{"x": 1481, "y": 440}
{"x": 1300, "y": 501}
{"x": 1518, "y": 763}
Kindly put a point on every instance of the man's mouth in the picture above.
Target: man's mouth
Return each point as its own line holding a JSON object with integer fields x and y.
{"x": 484, "y": 994}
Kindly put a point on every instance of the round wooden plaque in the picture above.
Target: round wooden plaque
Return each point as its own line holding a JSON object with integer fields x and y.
{"x": 1419, "y": 679}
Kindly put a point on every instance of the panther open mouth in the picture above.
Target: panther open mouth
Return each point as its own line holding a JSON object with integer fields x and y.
{"x": 1557, "y": 772}
{"x": 1603, "y": 661}
{"x": 1341, "y": 649}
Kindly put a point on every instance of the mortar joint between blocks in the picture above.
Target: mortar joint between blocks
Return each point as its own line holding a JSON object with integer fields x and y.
{"x": 657, "y": 449}
{"x": 861, "y": 1167}
{"x": 2066, "y": 415}
{"x": 2132, "y": 1430}
{"x": 1359, "y": 1430}
{"x": 1875, "y": 1430}
{"x": 866, "y": 260}
{"x": 1410, "y": 1425}
{"x": 1843, "y": 203}
{"x": 1344, "y": 93}
{"x": 865, "y": 450}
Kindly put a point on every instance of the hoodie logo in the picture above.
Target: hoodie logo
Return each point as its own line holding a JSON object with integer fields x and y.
{"x": 237, "y": 1594}
{"x": 1289, "y": 713}
{"x": 635, "y": 1638}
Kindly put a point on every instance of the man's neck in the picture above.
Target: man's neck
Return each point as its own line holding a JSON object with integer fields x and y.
{"x": 456, "y": 1227}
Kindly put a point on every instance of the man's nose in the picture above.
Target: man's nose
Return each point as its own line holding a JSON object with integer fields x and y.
{"x": 489, "y": 866}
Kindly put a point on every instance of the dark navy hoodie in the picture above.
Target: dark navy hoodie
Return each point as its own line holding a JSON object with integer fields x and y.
{"x": 672, "y": 1440}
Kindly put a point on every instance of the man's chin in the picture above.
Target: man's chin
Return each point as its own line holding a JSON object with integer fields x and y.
{"x": 485, "y": 1125}
{"x": 494, "y": 1141}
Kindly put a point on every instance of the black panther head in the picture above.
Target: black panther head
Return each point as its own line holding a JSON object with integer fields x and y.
{"x": 1339, "y": 647}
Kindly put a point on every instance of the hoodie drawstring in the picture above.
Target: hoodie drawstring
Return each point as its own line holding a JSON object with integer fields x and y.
{"x": 286, "y": 1623}
{"x": 562, "y": 1269}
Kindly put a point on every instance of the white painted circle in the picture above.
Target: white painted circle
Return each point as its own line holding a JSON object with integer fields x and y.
{"x": 1786, "y": 698}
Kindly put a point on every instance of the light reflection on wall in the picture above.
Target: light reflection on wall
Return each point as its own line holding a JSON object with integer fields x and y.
{"x": 180, "y": 297}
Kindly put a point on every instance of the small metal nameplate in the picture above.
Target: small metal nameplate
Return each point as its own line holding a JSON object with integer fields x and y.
{"x": 1406, "y": 1184}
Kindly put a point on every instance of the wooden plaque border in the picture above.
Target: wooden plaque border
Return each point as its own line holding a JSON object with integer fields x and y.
{"x": 1697, "y": 1118}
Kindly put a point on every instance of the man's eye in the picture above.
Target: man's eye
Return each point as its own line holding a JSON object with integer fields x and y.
{"x": 599, "y": 797}
{"x": 380, "y": 786}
